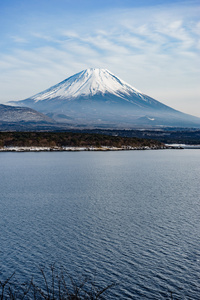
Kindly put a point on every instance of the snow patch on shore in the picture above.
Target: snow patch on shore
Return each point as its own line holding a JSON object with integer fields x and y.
{"x": 102, "y": 148}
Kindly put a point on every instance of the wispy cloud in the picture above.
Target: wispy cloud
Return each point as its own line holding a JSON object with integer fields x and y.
{"x": 18, "y": 39}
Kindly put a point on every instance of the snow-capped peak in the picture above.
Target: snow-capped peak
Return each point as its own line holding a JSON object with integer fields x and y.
{"x": 88, "y": 82}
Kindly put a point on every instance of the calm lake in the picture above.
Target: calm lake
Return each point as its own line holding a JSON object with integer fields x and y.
{"x": 128, "y": 217}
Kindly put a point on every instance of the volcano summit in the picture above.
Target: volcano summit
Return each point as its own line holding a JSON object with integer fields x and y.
{"x": 98, "y": 98}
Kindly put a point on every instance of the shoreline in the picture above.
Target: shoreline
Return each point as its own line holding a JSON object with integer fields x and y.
{"x": 88, "y": 148}
{"x": 184, "y": 146}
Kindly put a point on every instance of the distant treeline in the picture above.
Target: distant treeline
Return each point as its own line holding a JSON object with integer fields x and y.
{"x": 190, "y": 136}
{"x": 53, "y": 139}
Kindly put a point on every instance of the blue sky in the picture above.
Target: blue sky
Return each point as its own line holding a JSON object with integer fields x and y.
{"x": 152, "y": 45}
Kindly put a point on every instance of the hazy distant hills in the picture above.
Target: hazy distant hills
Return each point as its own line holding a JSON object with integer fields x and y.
{"x": 10, "y": 114}
{"x": 98, "y": 98}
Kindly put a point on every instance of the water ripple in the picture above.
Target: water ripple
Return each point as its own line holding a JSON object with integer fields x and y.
{"x": 128, "y": 218}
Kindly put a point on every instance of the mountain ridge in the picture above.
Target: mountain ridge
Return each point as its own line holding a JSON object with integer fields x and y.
{"x": 96, "y": 97}
{"x": 13, "y": 114}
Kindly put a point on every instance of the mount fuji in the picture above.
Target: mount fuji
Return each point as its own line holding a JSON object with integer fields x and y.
{"x": 98, "y": 98}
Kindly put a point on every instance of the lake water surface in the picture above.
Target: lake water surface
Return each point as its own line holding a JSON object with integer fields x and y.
{"x": 129, "y": 217}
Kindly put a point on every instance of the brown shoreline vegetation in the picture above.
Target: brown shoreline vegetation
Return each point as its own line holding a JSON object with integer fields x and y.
{"x": 71, "y": 139}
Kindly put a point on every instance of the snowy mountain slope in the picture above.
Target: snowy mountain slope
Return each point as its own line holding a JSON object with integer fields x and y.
{"x": 97, "y": 97}
{"x": 88, "y": 82}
